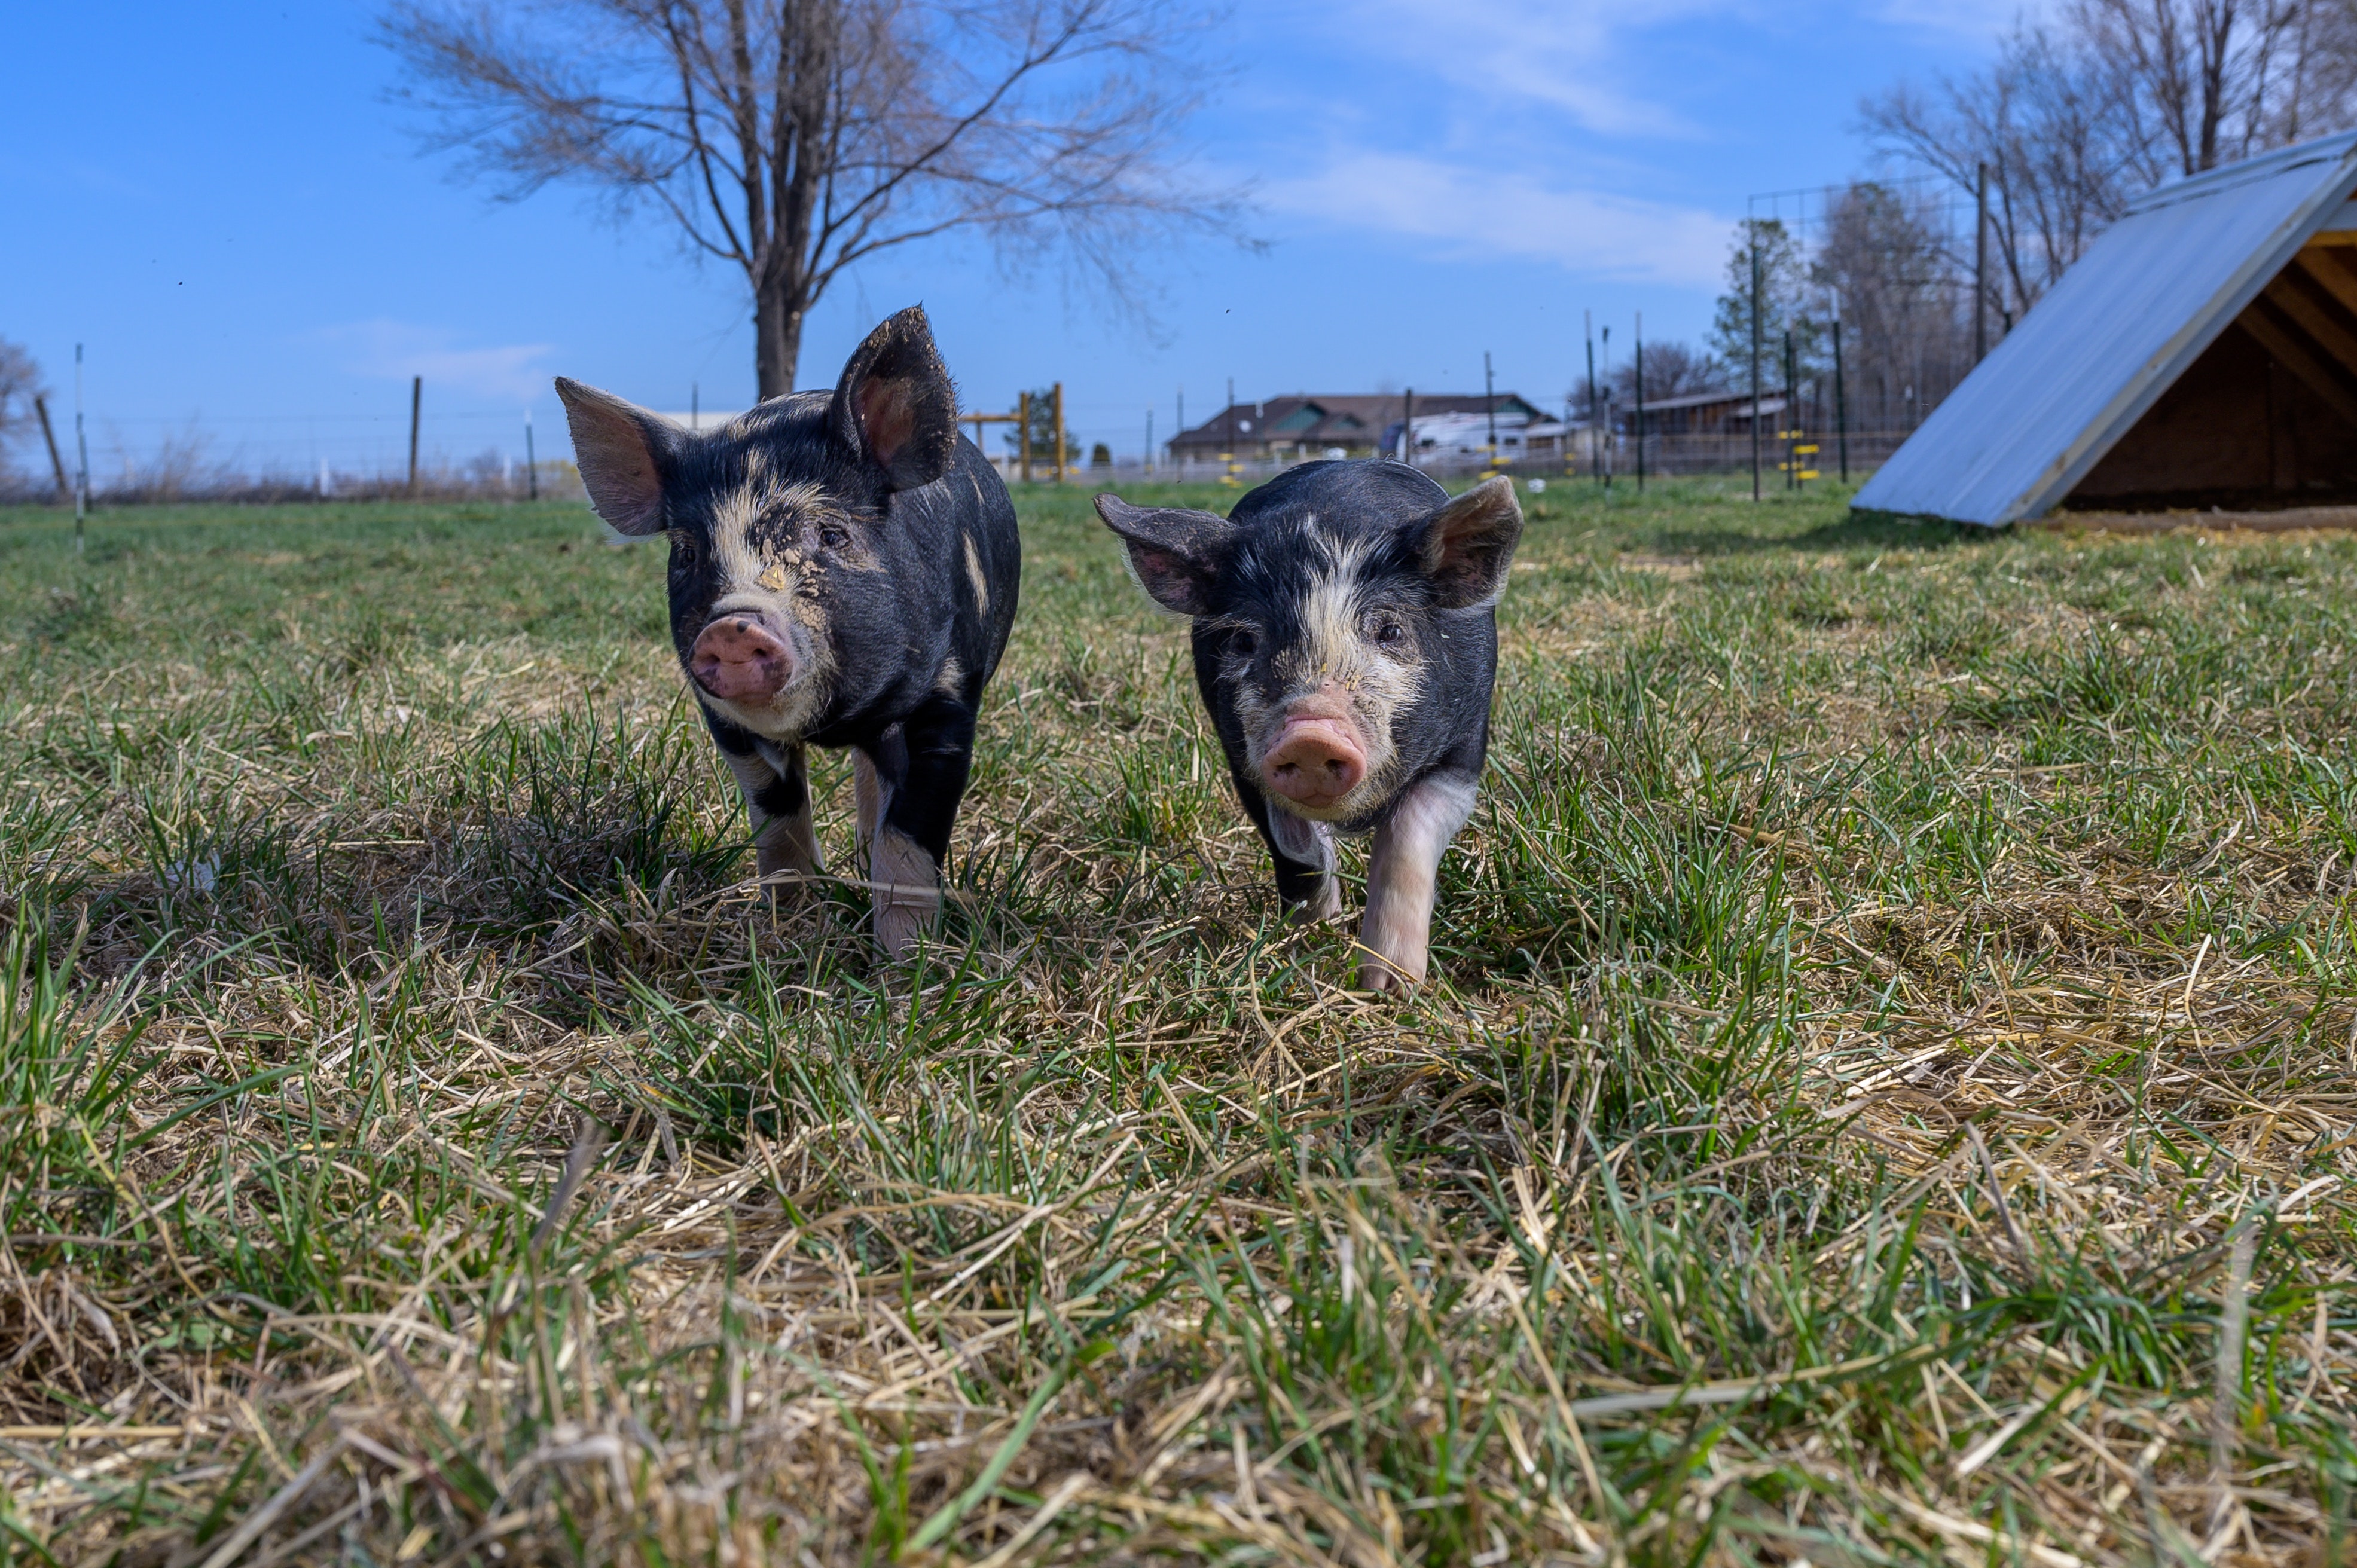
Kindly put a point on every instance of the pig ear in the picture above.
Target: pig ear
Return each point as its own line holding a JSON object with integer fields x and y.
{"x": 1175, "y": 552}
{"x": 622, "y": 451}
{"x": 1466, "y": 547}
{"x": 894, "y": 405}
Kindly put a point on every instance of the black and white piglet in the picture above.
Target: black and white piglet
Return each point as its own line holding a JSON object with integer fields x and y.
{"x": 844, "y": 569}
{"x": 1345, "y": 644}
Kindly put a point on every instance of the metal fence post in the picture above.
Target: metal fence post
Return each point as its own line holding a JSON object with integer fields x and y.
{"x": 1755, "y": 361}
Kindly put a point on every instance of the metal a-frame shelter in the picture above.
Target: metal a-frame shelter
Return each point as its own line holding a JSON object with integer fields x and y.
{"x": 2203, "y": 352}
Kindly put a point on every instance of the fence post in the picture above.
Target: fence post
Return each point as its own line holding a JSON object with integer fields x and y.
{"x": 1024, "y": 404}
{"x": 1640, "y": 373}
{"x": 1980, "y": 263}
{"x": 416, "y": 399}
{"x": 1407, "y": 427}
{"x": 82, "y": 456}
{"x": 1755, "y": 362}
{"x": 1060, "y": 432}
{"x": 56, "y": 464}
{"x": 1841, "y": 402}
{"x": 531, "y": 462}
{"x": 1595, "y": 452}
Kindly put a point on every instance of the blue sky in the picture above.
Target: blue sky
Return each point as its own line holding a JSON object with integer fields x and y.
{"x": 221, "y": 203}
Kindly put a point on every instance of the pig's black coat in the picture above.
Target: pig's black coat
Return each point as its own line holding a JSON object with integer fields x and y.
{"x": 1445, "y": 729}
{"x": 896, "y": 629}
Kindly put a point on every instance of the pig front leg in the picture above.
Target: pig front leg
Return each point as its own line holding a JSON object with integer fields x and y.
{"x": 1303, "y": 853}
{"x": 908, "y": 790}
{"x": 785, "y": 840}
{"x": 1403, "y": 875}
{"x": 776, "y": 786}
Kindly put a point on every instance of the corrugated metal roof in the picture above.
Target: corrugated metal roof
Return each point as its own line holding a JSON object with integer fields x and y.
{"x": 2151, "y": 293}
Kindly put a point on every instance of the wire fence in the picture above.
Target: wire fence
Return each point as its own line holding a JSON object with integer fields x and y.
{"x": 261, "y": 458}
{"x": 1892, "y": 259}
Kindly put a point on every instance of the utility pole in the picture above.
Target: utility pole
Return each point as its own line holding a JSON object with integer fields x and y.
{"x": 531, "y": 461}
{"x": 695, "y": 407}
{"x": 56, "y": 464}
{"x": 1595, "y": 460}
{"x": 1150, "y": 441}
{"x": 1407, "y": 427}
{"x": 1841, "y": 399}
{"x": 1980, "y": 264}
{"x": 1755, "y": 362}
{"x": 1228, "y": 456}
{"x": 82, "y": 456}
{"x": 416, "y": 400}
{"x": 1489, "y": 400}
{"x": 1639, "y": 374}
{"x": 1025, "y": 420}
{"x": 1059, "y": 395}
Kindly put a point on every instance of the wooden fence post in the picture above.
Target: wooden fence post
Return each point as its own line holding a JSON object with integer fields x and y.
{"x": 56, "y": 464}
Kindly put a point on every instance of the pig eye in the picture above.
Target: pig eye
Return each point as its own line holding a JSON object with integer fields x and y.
{"x": 1390, "y": 634}
{"x": 1244, "y": 642}
{"x": 682, "y": 549}
{"x": 834, "y": 538}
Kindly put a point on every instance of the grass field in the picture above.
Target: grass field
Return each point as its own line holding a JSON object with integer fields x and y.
{"x": 1886, "y": 1092}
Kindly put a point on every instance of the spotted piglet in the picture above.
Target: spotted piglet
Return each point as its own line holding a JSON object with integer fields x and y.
{"x": 1345, "y": 643}
{"x": 843, "y": 570}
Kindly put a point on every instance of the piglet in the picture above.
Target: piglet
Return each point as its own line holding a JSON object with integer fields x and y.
{"x": 1346, "y": 643}
{"x": 843, "y": 570}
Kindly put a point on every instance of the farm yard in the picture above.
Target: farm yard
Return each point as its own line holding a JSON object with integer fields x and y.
{"x": 1888, "y": 1091}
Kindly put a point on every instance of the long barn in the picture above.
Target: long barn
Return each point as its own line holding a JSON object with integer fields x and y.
{"x": 2203, "y": 352}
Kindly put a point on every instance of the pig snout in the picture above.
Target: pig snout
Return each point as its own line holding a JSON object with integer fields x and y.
{"x": 741, "y": 657}
{"x": 1315, "y": 761}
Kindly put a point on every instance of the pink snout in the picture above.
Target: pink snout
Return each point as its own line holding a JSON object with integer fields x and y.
{"x": 1315, "y": 762}
{"x": 739, "y": 658}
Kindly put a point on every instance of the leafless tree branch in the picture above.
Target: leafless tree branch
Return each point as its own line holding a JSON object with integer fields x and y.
{"x": 797, "y": 138}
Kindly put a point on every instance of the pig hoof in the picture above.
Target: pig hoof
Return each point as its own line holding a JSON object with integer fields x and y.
{"x": 898, "y": 928}
{"x": 1319, "y": 907}
{"x": 786, "y": 889}
{"x": 1381, "y": 976}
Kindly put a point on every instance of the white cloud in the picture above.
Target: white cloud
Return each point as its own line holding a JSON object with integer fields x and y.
{"x": 397, "y": 350}
{"x": 1981, "y": 21}
{"x": 1563, "y": 57}
{"x": 1473, "y": 213}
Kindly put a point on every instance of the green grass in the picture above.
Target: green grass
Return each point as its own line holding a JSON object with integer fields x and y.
{"x": 1885, "y": 1093}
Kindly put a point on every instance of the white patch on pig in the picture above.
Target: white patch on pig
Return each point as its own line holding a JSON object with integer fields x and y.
{"x": 1309, "y": 844}
{"x": 784, "y": 847}
{"x": 1403, "y": 878}
{"x": 951, "y": 681}
{"x": 906, "y": 890}
{"x": 973, "y": 576}
{"x": 904, "y": 882}
{"x": 784, "y": 582}
{"x": 1338, "y": 658}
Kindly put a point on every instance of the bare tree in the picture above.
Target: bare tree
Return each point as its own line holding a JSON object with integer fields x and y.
{"x": 797, "y": 138}
{"x": 20, "y": 383}
{"x": 1672, "y": 369}
{"x": 2058, "y": 132}
{"x": 2075, "y": 118}
{"x": 2212, "y": 81}
{"x": 1882, "y": 262}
